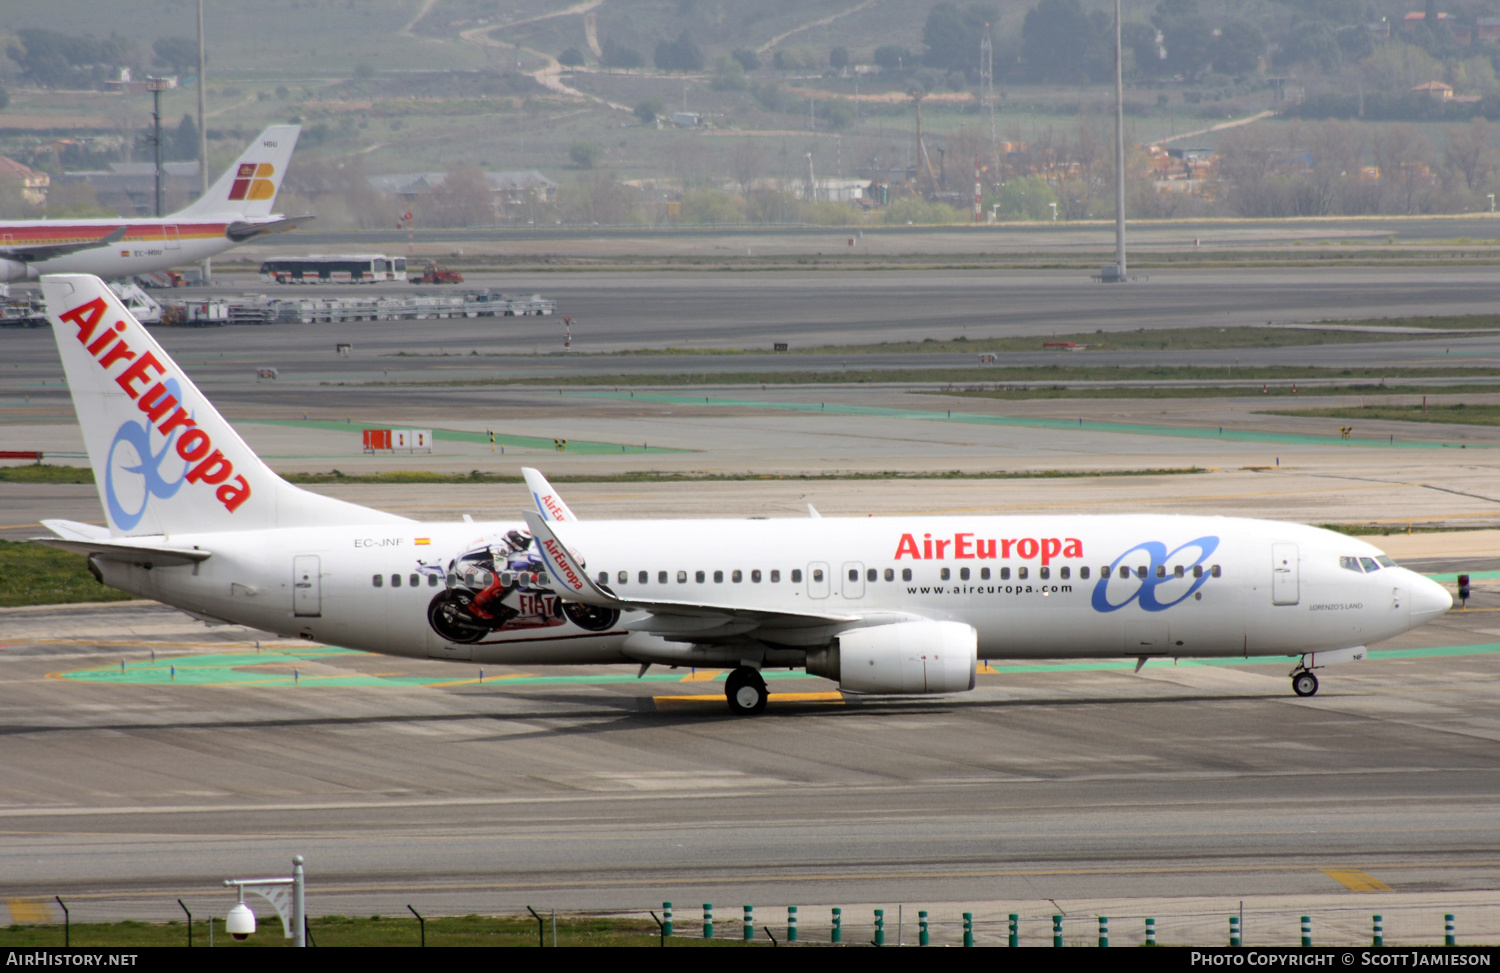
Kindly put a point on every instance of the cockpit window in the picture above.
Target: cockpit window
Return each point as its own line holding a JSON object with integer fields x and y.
{"x": 1368, "y": 563}
{"x": 1386, "y": 561}
{"x": 1350, "y": 564}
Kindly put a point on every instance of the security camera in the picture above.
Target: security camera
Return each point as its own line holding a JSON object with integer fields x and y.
{"x": 240, "y": 921}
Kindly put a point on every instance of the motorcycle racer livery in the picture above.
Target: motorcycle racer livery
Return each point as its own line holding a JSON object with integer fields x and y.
{"x": 493, "y": 587}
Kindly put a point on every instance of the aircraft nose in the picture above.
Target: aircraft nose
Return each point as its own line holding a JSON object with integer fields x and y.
{"x": 1428, "y": 600}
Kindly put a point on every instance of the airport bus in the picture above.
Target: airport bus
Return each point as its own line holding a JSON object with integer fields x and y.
{"x": 360, "y": 268}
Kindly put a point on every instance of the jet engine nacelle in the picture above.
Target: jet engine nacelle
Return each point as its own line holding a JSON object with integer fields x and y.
{"x": 15, "y": 270}
{"x": 904, "y": 657}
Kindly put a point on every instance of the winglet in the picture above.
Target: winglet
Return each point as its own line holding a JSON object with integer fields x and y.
{"x": 548, "y": 503}
{"x": 813, "y": 512}
{"x": 569, "y": 576}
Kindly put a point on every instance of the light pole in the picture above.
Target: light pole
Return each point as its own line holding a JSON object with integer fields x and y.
{"x": 1119, "y": 152}
{"x": 286, "y": 895}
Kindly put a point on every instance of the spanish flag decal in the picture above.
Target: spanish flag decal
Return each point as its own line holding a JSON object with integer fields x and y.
{"x": 424, "y": 540}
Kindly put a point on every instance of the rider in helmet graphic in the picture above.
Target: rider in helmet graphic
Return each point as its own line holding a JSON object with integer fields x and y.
{"x": 508, "y": 558}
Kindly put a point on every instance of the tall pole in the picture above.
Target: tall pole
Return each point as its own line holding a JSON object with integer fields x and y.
{"x": 299, "y": 903}
{"x": 1119, "y": 151}
{"x": 156, "y": 135}
{"x": 206, "y": 268}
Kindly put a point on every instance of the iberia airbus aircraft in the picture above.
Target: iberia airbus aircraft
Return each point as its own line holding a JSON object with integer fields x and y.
{"x": 235, "y": 209}
{"x": 889, "y": 605}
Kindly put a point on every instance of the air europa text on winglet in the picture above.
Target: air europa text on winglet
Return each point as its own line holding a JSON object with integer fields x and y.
{"x": 967, "y": 547}
{"x": 205, "y": 463}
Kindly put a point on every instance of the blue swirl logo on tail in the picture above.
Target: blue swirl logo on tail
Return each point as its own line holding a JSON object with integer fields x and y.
{"x": 137, "y": 435}
{"x": 1145, "y": 593}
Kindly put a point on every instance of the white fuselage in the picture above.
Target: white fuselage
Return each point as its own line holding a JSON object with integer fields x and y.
{"x": 1032, "y": 587}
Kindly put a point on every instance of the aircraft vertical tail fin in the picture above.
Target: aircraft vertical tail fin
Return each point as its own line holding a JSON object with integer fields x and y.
{"x": 164, "y": 460}
{"x": 248, "y": 188}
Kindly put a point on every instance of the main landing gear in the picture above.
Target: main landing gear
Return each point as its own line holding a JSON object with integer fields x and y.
{"x": 746, "y": 691}
{"x": 1304, "y": 683}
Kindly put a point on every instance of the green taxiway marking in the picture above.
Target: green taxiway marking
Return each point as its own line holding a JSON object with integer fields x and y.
{"x": 577, "y": 446}
{"x": 316, "y": 668}
{"x": 1451, "y": 577}
{"x": 1126, "y": 428}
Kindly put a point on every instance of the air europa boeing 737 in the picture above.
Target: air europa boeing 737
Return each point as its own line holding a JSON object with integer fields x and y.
{"x": 235, "y": 209}
{"x": 880, "y": 605}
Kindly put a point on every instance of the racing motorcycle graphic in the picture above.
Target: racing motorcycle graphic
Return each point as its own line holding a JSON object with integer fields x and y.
{"x": 494, "y": 587}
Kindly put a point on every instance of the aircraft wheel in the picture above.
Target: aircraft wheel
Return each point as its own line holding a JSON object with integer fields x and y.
{"x": 1305, "y": 684}
{"x": 746, "y": 691}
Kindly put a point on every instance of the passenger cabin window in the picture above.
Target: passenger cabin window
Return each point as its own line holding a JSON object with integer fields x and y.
{"x": 817, "y": 574}
{"x": 395, "y": 581}
{"x": 944, "y": 574}
{"x": 1124, "y": 572}
{"x": 1197, "y": 570}
{"x": 1350, "y": 564}
{"x": 1368, "y": 563}
{"x": 661, "y": 577}
{"x": 432, "y": 581}
{"x": 1005, "y": 574}
{"x": 872, "y": 575}
{"x": 854, "y": 574}
{"x": 1140, "y": 572}
{"x": 604, "y": 577}
{"x": 1161, "y": 570}
{"x": 796, "y": 575}
{"x": 378, "y": 580}
{"x": 1214, "y": 571}
{"x": 682, "y": 577}
{"x": 718, "y": 577}
{"x": 736, "y": 576}
{"x": 1177, "y": 571}
{"x": 699, "y": 577}
{"x": 906, "y": 574}
{"x": 963, "y": 574}
{"x": 984, "y": 574}
{"x": 1083, "y": 572}
{"x": 1065, "y": 572}
{"x": 1021, "y": 573}
{"x": 1044, "y": 573}
{"x": 775, "y": 577}
{"x": 755, "y": 576}
{"x": 890, "y": 574}
{"x": 622, "y": 577}
{"x": 414, "y": 580}
{"x": 643, "y": 577}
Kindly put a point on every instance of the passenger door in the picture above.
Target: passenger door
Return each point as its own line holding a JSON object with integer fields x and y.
{"x": 854, "y": 579}
{"x": 1285, "y": 588}
{"x": 171, "y": 238}
{"x": 307, "y": 586}
{"x": 817, "y": 580}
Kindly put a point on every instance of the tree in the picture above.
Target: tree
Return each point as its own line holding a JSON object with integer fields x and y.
{"x": 179, "y": 55}
{"x": 364, "y": 71}
{"x": 1062, "y": 44}
{"x": 586, "y": 155}
{"x": 649, "y": 110}
{"x": 748, "y": 59}
{"x": 746, "y": 161}
{"x": 599, "y": 199}
{"x": 184, "y": 144}
{"x": 1468, "y": 152}
{"x": 53, "y": 59}
{"x": 682, "y": 54}
{"x": 728, "y": 75}
{"x": 1310, "y": 42}
{"x": 839, "y": 113}
{"x": 1144, "y": 43}
{"x": 1237, "y": 49}
{"x": 618, "y": 56}
{"x": 1186, "y": 36}
{"x": 572, "y": 58}
{"x": 953, "y": 36}
{"x": 894, "y": 57}
{"x": 838, "y": 58}
{"x": 712, "y": 206}
{"x": 463, "y": 198}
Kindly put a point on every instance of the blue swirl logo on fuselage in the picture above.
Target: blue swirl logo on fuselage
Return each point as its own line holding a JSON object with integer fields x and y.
{"x": 1145, "y": 592}
{"x": 137, "y": 435}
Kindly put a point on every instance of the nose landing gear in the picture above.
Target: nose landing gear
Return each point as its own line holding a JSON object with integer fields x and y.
{"x": 1304, "y": 683}
{"x": 746, "y": 691}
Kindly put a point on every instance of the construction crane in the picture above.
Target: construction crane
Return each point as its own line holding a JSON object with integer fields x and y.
{"x": 917, "y": 94}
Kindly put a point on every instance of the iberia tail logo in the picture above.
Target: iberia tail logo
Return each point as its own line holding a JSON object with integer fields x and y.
{"x": 253, "y": 181}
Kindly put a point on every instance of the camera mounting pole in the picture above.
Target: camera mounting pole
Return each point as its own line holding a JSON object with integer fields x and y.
{"x": 286, "y": 895}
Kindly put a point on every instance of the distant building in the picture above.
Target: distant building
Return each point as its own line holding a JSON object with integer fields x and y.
{"x": 686, "y": 119}
{"x": 1435, "y": 90}
{"x": 509, "y": 188}
{"x": 129, "y": 188}
{"x": 1487, "y": 30}
{"x": 33, "y": 184}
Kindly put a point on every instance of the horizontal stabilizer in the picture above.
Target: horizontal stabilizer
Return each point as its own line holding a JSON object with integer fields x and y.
{"x": 240, "y": 231}
{"x": 151, "y": 554}
{"x": 33, "y": 253}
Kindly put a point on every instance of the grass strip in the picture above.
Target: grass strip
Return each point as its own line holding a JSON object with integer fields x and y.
{"x": 46, "y": 473}
{"x": 1461, "y": 413}
{"x": 1027, "y": 392}
{"x": 32, "y": 574}
{"x": 470, "y": 930}
{"x": 993, "y": 375}
{"x": 655, "y": 476}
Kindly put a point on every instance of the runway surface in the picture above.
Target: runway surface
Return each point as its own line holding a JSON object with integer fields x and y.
{"x": 1072, "y": 783}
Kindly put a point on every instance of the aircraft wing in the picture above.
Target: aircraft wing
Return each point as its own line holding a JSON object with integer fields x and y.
{"x": 241, "y": 230}
{"x": 46, "y": 251}
{"x": 88, "y": 540}
{"x": 548, "y": 503}
{"x": 698, "y": 621}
